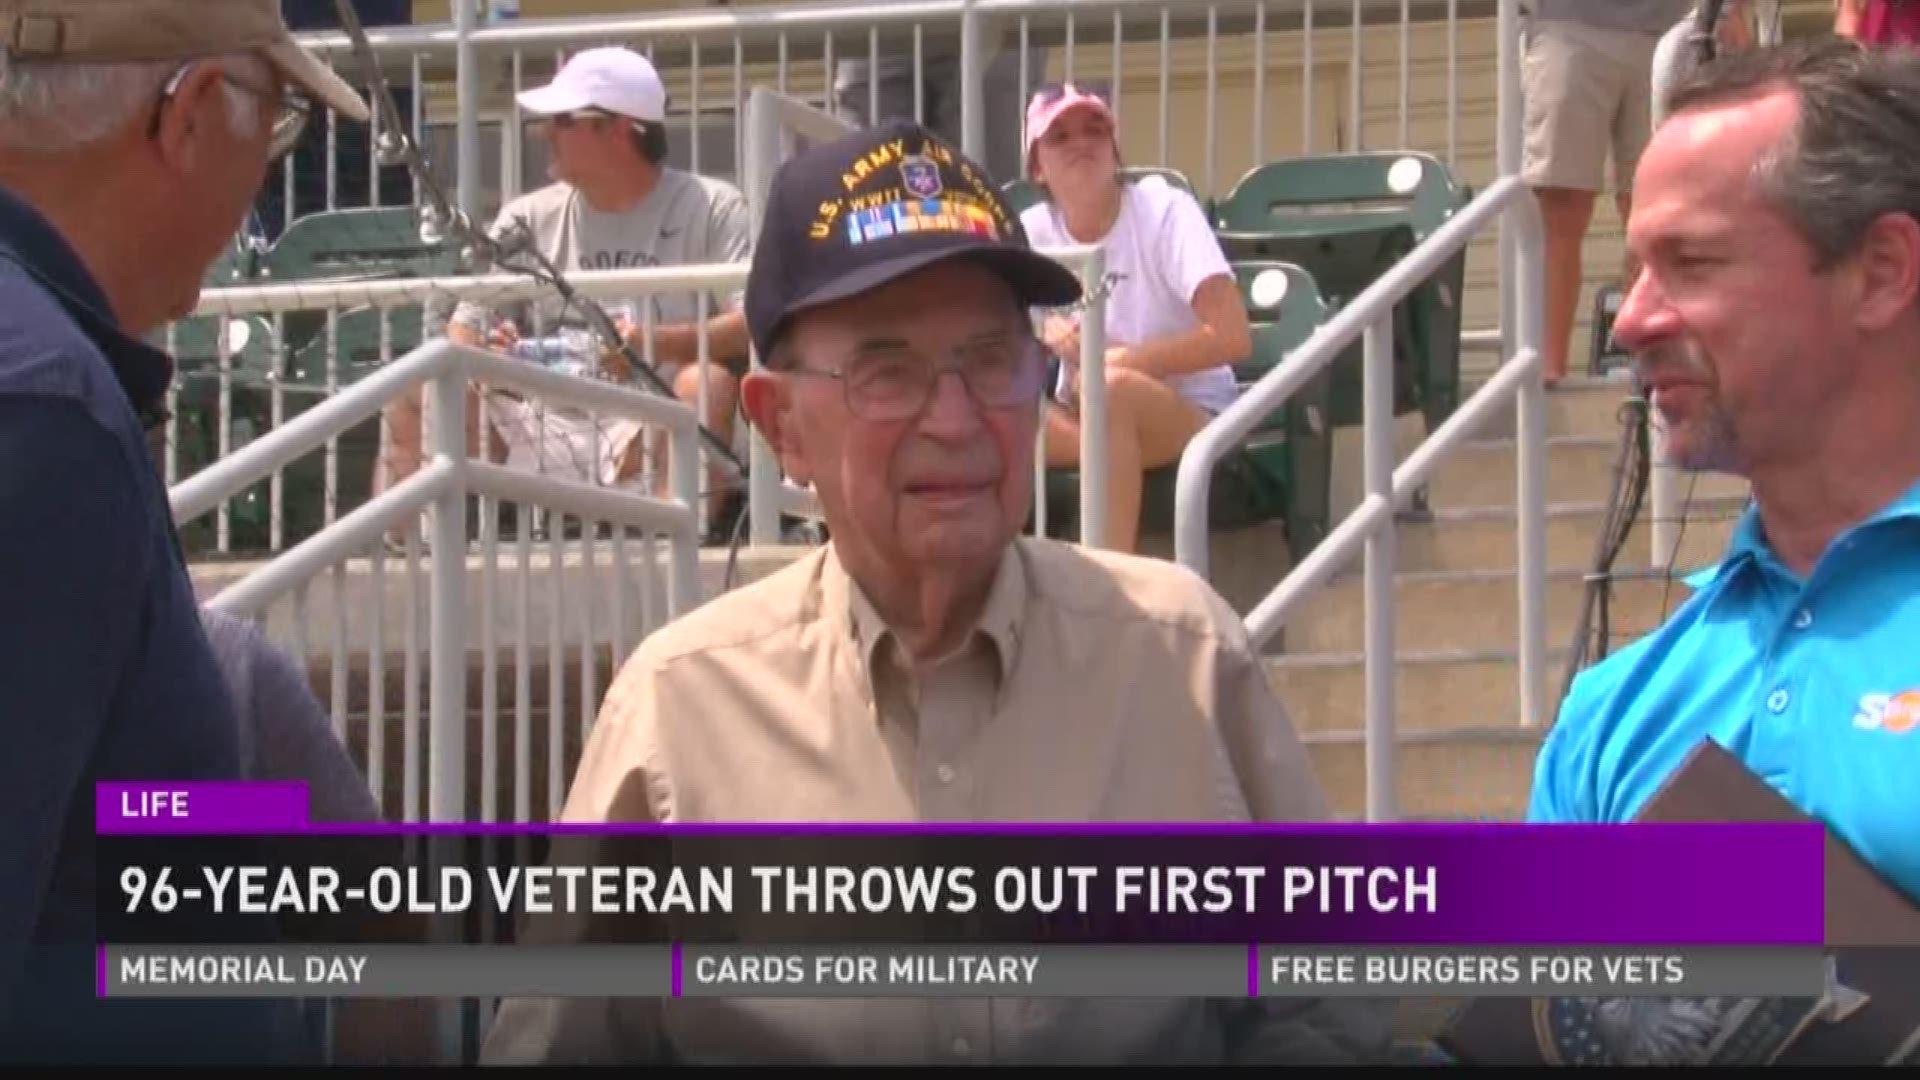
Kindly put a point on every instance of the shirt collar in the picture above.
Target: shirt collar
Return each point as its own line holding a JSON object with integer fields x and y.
{"x": 999, "y": 620}
{"x": 1748, "y": 544}
{"x": 29, "y": 241}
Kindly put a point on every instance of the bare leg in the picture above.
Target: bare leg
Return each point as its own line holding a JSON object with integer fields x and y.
{"x": 1566, "y": 213}
{"x": 1148, "y": 424}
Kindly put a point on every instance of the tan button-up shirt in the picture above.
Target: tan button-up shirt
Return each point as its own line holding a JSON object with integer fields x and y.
{"x": 1095, "y": 687}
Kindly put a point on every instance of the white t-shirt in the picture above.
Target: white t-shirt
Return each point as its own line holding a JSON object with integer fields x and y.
{"x": 1158, "y": 252}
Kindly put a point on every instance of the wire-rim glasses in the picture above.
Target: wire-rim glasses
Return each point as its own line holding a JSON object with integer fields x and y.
{"x": 892, "y": 383}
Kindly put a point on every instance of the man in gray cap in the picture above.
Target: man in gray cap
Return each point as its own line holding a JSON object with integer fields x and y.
{"x": 134, "y": 134}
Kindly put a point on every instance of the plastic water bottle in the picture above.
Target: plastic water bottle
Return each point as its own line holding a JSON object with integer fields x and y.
{"x": 500, "y": 11}
{"x": 555, "y": 352}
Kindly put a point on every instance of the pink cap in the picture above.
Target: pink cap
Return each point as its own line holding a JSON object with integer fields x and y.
{"x": 1052, "y": 101}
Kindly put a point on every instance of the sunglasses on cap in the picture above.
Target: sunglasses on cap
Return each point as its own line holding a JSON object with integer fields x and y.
{"x": 1050, "y": 93}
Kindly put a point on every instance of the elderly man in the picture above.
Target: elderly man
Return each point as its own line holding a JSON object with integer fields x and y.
{"x": 931, "y": 663}
{"x": 133, "y": 135}
{"x": 1776, "y": 323}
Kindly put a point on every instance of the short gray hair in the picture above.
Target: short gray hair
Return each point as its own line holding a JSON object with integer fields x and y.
{"x": 1851, "y": 157}
{"x": 54, "y": 106}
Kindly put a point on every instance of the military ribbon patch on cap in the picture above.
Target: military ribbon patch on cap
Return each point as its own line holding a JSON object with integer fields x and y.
{"x": 921, "y": 216}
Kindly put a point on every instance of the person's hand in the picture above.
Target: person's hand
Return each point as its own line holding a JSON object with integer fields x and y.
{"x": 674, "y": 344}
{"x": 504, "y": 336}
{"x": 1062, "y": 335}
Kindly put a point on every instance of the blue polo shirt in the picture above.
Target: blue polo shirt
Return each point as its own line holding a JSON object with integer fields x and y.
{"x": 105, "y": 672}
{"x": 1814, "y": 684}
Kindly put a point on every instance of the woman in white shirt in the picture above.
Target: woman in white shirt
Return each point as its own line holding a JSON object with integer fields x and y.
{"x": 1175, "y": 323}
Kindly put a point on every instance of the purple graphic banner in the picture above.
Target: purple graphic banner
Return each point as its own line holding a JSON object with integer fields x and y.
{"x": 1486, "y": 884}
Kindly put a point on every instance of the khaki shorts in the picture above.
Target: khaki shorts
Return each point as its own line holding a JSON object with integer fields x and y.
{"x": 1586, "y": 90}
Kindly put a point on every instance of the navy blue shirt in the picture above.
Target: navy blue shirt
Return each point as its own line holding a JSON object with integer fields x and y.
{"x": 105, "y": 671}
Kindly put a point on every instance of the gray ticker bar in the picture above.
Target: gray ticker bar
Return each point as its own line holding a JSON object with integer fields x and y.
{"x": 387, "y": 971}
{"x": 1350, "y": 971}
{"x": 965, "y": 971}
{"x": 936, "y": 971}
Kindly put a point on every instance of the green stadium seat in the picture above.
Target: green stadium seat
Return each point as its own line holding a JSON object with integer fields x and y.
{"x": 361, "y": 244}
{"x": 1283, "y": 470}
{"x": 1347, "y": 218}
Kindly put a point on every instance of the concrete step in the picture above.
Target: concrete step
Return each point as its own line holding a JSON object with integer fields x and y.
{"x": 1470, "y": 610}
{"x": 1326, "y": 695}
{"x": 1580, "y": 468}
{"x": 1477, "y": 774}
{"x": 388, "y": 777}
{"x": 345, "y": 602}
{"x": 539, "y": 677}
{"x": 1579, "y": 406}
{"x": 1488, "y": 538}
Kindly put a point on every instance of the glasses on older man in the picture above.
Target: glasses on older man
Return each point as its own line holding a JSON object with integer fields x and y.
{"x": 889, "y": 383}
{"x": 289, "y": 121}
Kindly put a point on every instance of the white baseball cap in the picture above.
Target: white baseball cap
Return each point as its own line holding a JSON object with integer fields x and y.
{"x": 613, "y": 78}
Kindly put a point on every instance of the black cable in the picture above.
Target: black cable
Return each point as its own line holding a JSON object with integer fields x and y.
{"x": 396, "y": 143}
{"x": 1624, "y": 503}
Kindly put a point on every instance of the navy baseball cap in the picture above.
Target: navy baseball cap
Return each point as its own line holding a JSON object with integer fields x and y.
{"x": 850, "y": 215}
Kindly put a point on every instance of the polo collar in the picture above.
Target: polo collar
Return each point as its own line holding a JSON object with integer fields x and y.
{"x": 999, "y": 619}
{"x": 1748, "y": 545}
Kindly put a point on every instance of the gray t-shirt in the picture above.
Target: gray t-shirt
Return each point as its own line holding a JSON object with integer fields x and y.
{"x": 285, "y": 733}
{"x": 686, "y": 220}
{"x": 1643, "y": 16}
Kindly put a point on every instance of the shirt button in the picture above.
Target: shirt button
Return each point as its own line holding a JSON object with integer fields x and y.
{"x": 945, "y": 773}
{"x": 1803, "y": 619}
{"x": 961, "y": 1047}
{"x": 1777, "y": 701}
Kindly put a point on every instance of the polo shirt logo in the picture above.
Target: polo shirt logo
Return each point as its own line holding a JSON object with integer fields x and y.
{"x": 1895, "y": 714}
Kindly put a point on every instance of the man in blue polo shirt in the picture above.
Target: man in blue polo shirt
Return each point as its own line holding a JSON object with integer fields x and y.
{"x": 1777, "y": 325}
{"x": 133, "y": 134}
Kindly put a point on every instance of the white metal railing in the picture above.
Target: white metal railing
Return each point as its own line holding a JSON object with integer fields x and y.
{"x": 1372, "y": 523}
{"x": 716, "y": 61}
{"x": 441, "y": 488}
{"x": 769, "y": 495}
{"x": 254, "y": 304}
{"x": 987, "y": 54}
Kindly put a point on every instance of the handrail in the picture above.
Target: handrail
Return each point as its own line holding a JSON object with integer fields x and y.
{"x": 389, "y": 292}
{"x": 443, "y": 483}
{"x": 203, "y": 492}
{"x": 1322, "y": 347}
{"x": 1509, "y": 201}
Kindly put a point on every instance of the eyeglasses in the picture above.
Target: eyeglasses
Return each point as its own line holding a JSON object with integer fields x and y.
{"x": 289, "y": 121}
{"x": 891, "y": 384}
